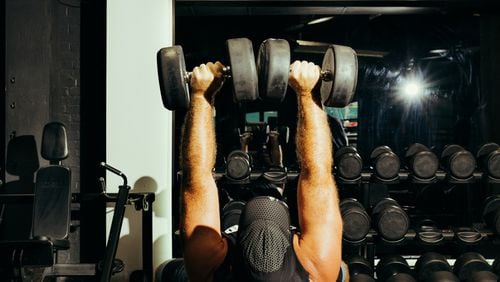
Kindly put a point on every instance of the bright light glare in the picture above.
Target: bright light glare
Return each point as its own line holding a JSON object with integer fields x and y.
{"x": 412, "y": 89}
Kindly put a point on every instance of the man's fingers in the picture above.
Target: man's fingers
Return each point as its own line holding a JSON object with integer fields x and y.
{"x": 216, "y": 68}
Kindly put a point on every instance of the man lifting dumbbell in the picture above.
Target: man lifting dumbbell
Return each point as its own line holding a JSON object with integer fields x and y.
{"x": 266, "y": 250}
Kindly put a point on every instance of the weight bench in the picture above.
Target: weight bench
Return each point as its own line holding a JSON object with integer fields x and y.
{"x": 51, "y": 210}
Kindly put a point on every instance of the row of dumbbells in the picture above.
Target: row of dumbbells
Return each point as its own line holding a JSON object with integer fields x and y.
{"x": 421, "y": 164}
{"x": 392, "y": 223}
{"x": 429, "y": 267}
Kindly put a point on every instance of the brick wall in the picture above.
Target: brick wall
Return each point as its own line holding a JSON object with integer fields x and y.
{"x": 65, "y": 93}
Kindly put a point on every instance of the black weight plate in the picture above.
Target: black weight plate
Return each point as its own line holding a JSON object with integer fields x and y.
{"x": 450, "y": 150}
{"x": 174, "y": 86}
{"x": 379, "y": 150}
{"x": 342, "y": 63}
{"x": 429, "y": 263}
{"x": 442, "y": 276}
{"x": 361, "y": 278}
{"x": 415, "y": 148}
{"x": 468, "y": 263}
{"x": 243, "y": 69}
{"x": 425, "y": 164}
{"x": 393, "y": 224}
{"x": 273, "y": 65}
{"x": 345, "y": 150}
{"x": 493, "y": 165}
{"x": 486, "y": 149}
{"x": 383, "y": 203}
{"x": 356, "y": 224}
{"x": 387, "y": 165}
{"x": 462, "y": 164}
{"x": 358, "y": 265}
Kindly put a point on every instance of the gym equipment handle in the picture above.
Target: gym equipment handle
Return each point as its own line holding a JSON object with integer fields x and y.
{"x": 115, "y": 171}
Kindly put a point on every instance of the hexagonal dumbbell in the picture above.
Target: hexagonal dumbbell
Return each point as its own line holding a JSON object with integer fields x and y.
{"x": 473, "y": 267}
{"x": 390, "y": 220}
{"x": 360, "y": 270}
{"x": 488, "y": 158}
{"x": 385, "y": 163}
{"x": 348, "y": 163}
{"x": 458, "y": 162}
{"x": 356, "y": 220}
{"x": 394, "y": 268}
{"x": 421, "y": 161}
{"x": 433, "y": 267}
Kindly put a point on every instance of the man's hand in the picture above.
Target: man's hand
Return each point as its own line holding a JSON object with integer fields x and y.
{"x": 303, "y": 77}
{"x": 207, "y": 79}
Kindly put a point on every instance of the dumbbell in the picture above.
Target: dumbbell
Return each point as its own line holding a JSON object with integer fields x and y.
{"x": 339, "y": 72}
{"x": 238, "y": 165}
{"x": 488, "y": 157}
{"x": 348, "y": 163}
{"x": 428, "y": 232}
{"x": 385, "y": 163}
{"x": 473, "y": 267}
{"x": 491, "y": 213}
{"x": 360, "y": 270}
{"x": 174, "y": 79}
{"x": 422, "y": 162}
{"x": 433, "y": 267}
{"x": 238, "y": 162}
{"x": 356, "y": 220}
{"x": 457, "y": 161}
{"x": 390, "y": 220}
{"x": 394, "y": 268}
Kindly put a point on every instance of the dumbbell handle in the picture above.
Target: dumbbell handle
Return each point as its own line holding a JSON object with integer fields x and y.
{"x": 326, "y": 75}
{"x": 226, "y": 73}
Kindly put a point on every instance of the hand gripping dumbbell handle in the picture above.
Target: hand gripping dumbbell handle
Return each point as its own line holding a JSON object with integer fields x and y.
{"x": 325, "y": 75}
{"x": 226, "y": 73}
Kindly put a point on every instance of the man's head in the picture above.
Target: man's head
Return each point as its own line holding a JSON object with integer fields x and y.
{"x": 265, "y": 239}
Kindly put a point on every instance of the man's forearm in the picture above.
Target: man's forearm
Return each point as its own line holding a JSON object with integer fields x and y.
{"x": 314, "y": 145}
{"x": 198, "y": 144}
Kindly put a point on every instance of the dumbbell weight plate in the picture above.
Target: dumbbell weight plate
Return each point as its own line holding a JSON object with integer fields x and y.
{"x": 356, "y": 220}
{"x": 348, "y": 162}
{"x": 273, "y": 65}
{"x": 238, "y": 165}
{"x": 386, "y": 163}
{"x": 342, "y": 63}
{"x": 392, "y": 221}
{"x": 358, "y": 265}
{"x": 429, "y": 263}
{"x": 461, "y": 163}
{"x": 391, "y": 266}
{"x": 243, "y": 69}
{"x": 442, "y": 276}
{"x": 468, "y": 263}
{"x": 493, "y": 162}
{"x": 492, "y": 204}
{"x": 174, "y": 86}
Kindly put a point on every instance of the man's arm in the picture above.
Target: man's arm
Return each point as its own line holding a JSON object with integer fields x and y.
{"x": 318, "y": 247}
{"x": 204, "y": 247}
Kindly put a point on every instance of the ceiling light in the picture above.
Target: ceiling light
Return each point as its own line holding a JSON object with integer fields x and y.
{"x": 319, "y": 20}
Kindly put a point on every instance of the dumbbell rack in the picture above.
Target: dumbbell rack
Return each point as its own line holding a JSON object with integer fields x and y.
{"x": 455, "y": 240}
